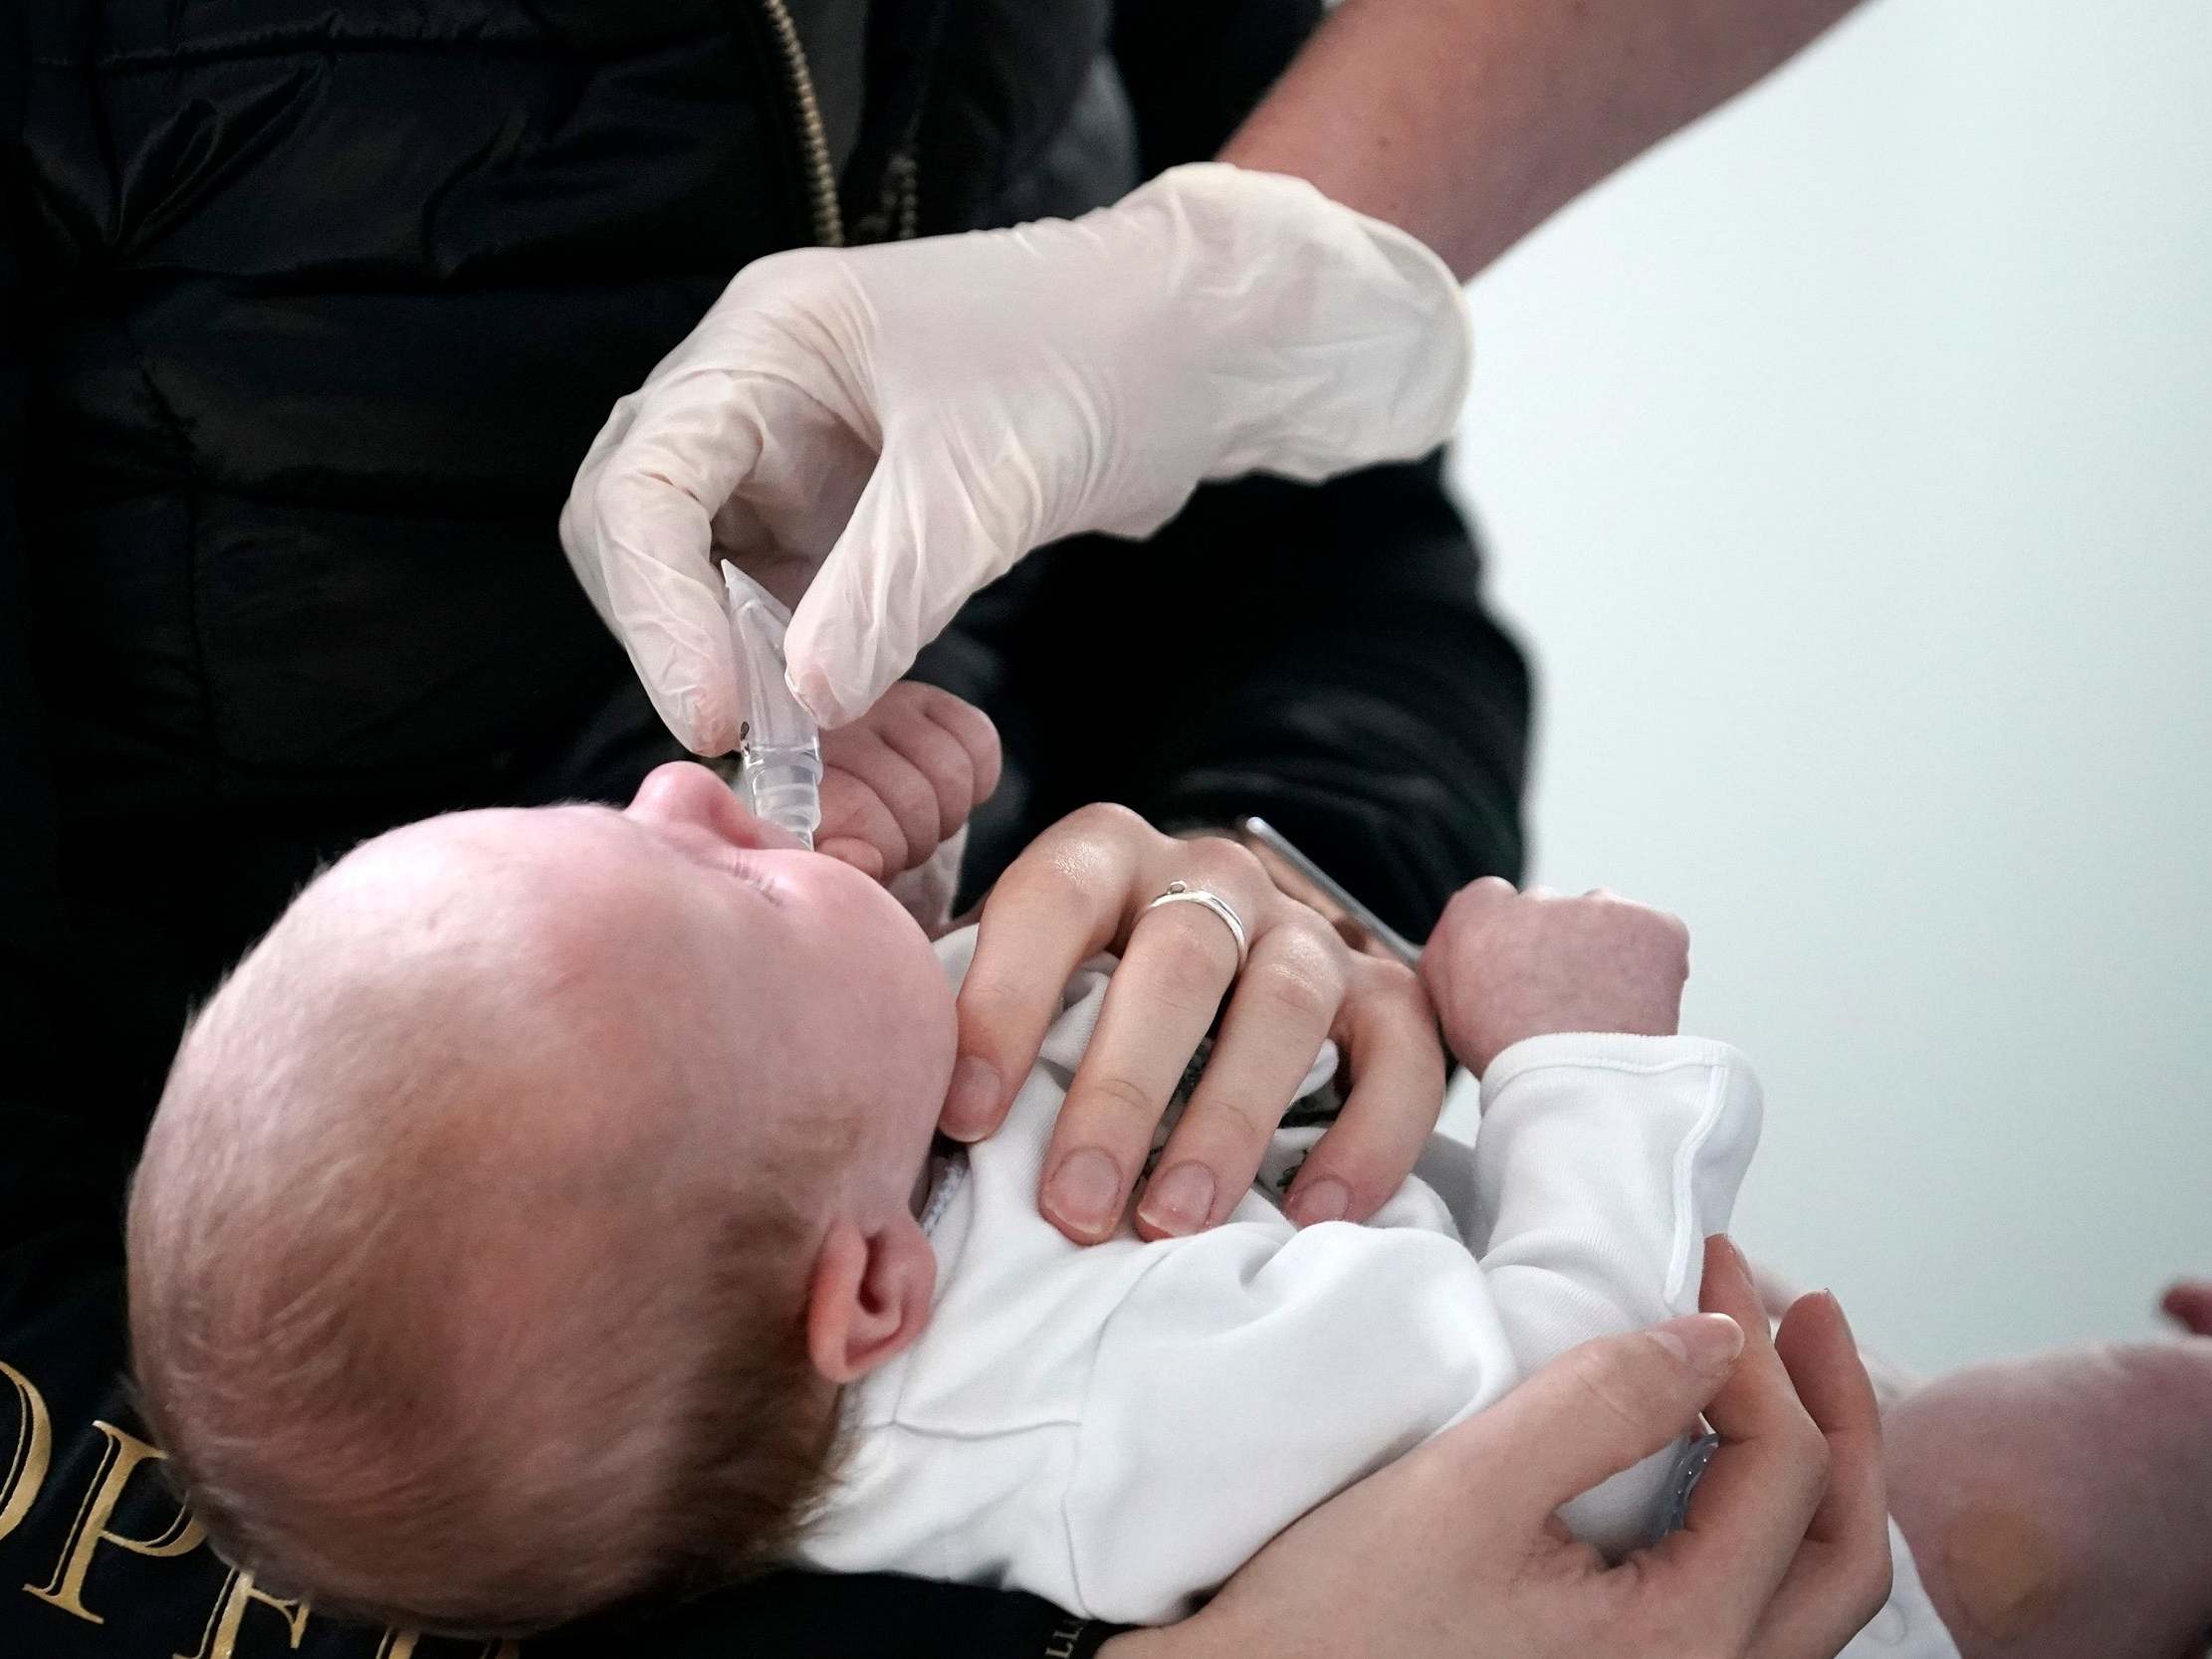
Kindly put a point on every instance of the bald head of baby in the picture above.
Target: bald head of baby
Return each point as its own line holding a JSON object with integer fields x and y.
{"x": 474, "y": 1252}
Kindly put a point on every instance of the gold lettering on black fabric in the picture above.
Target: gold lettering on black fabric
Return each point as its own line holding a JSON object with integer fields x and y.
{"x": 220, "y": 1638}
{"x": 34, "y": 1447}
{"x": 120, "y": 1460}
{"x": 400, "y": 1644}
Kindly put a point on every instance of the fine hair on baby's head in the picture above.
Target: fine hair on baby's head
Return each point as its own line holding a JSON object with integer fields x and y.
{"x": 469, "y": 1254}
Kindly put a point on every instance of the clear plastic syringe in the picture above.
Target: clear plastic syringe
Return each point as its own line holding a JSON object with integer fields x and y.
{"x": 783, "y": 776}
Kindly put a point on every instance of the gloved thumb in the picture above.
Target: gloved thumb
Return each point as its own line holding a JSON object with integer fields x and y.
{"x": 673, "y": 623}
{"x": 639, "y": 529}
{"x": 922, "y": 538}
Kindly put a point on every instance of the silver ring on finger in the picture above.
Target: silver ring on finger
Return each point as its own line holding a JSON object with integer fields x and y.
{"x": 1182, "y": 893}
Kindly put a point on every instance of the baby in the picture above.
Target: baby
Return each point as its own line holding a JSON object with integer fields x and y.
{"x": 545, "y": 1214}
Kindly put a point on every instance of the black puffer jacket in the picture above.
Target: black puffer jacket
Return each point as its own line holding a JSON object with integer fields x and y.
{"x": 311, "y": 310}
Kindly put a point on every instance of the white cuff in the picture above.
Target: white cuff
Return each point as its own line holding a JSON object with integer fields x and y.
{"x": 1618, "y": 1051}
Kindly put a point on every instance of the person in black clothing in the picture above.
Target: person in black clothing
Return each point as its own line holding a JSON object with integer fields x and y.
{"x": 310, "y": 313}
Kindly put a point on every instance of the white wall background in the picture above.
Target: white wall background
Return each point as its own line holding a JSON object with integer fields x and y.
{"x": 1849, "y": 466}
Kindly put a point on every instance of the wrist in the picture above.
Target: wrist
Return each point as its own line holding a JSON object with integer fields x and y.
{"x": 1369, "y": 362}
{"x": 1195, "y": 1638}
{"x": 1478, "y": 1051}
{"x": 1614, "y": 1050}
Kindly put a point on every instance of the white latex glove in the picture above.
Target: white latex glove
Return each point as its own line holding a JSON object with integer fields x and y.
{"x": 889, "y": 428}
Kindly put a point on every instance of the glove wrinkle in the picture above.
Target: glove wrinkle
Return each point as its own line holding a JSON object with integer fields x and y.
{"x": 955, "y": 402}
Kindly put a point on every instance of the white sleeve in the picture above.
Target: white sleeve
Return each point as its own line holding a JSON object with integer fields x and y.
{"x": 1249, "y": 1373}
{"x": 1248, "y": 1376}
{"x": 1603, "y": 1163}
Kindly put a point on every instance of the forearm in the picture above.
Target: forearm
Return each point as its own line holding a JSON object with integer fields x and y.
{"x": 1196, "y": 1637}
{"x": 1470, "y": 123}
{"x": 1603, "y": 1163}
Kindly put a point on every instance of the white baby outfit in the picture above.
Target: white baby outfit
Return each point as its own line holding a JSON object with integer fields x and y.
{"x": 1119, "y": 1428}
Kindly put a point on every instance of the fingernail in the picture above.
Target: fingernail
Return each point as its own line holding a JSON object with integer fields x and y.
{"x": 971, "y": 1101}
{"x": 1841, "y": 1318}
{"x": 1180, "y": 1201}
{"x": 1707, "y": 1343}
{"x": 1327, "y": 1199}
{"x": 1084, "y": 1192}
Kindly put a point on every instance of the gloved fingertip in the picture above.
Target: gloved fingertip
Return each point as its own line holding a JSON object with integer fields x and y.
{"x": 813, "y": 688}
{"x": 704, "y": 731}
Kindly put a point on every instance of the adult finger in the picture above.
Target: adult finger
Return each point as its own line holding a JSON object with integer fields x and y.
{"x": 1279, "y": 1015}
{"x": 1179, "y": 962}
{"x": 1749, "y": 1513}
{"x": 1594, "y": 1411}
{"x": 1397, "y": 1066}
{"x": 1840, "y": 1576}
{"x": 650, "y": 550}
{"x": 637, "y": 528}
{"x": 1061, "y": 902}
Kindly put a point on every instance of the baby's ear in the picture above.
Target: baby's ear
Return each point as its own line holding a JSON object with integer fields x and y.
{"x": 870, "y": 1296}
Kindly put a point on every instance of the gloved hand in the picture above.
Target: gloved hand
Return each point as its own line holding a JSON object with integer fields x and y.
{"x": 891, "y": 427}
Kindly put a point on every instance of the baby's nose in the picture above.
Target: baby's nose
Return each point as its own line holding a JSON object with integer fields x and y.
{"x": 682, "y": 792}
{"x": 684, "y": 796}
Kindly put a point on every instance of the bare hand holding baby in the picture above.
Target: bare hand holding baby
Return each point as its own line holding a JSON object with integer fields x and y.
{"x": 1504, "y": 965}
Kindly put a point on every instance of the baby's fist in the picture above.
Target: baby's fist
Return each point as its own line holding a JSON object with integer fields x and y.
{"x": 900, "y": 780}
{"x": 1503, "y": 966}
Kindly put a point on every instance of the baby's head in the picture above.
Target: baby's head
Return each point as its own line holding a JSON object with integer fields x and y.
{"x": 515, "y": 1209}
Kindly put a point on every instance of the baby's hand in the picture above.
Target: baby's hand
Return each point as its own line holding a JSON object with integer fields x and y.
{"x": 902, "y": 778}
{"x": 1503, "y": 966}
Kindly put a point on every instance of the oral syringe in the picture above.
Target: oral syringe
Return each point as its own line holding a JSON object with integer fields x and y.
{"x": 781, "y": 779}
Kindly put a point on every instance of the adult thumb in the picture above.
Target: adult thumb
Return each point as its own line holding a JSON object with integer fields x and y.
{"x": 1598, "y": 1409}
{"x": 652, "y": 583}
{"x": 922, "y": 538}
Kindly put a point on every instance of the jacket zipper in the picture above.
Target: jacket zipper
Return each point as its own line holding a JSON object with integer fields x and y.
{"x": 908, "y": 218}
{"x": 814, "y": 138}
